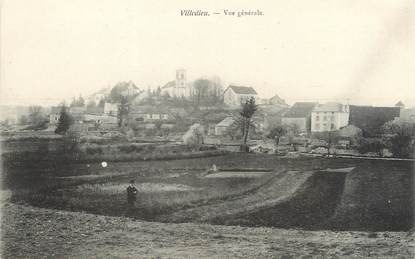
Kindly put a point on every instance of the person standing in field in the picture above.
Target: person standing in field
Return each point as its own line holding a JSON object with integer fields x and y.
{"x": 131, "y": 195}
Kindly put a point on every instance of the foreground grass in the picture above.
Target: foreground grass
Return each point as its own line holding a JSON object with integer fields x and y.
{"x": 30, "y": 232}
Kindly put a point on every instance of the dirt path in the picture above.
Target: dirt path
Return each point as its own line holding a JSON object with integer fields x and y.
{"x": 34, "y": 232}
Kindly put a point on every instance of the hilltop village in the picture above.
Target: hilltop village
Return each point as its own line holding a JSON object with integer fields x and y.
{"x": 168, "y": 112}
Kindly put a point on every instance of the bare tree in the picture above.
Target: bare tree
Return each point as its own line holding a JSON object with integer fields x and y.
{"x": 36, "y": 118}
{"x": 200, "y": 90}
{"x": 276, "y": 134}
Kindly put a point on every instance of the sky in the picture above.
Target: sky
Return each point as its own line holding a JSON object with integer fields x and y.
{"x": 361, "y": 52}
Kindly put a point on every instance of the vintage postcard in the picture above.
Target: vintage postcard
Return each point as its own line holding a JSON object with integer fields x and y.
{"x": 207, "y": 129}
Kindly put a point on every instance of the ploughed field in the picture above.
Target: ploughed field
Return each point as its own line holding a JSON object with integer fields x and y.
{"x": 248, "y": 190}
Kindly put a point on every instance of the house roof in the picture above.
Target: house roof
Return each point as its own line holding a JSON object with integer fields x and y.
{"x": 371, "y": 119}
{"x": 277, "y": 99}
{"x": 169, "y": 84}
{"x": 300, "y": 110}
{"x": 329, "y": 107}
{"x": 228, "y": 121}
{"x": 399, "y": 104}
{"x": 242, "y": 89}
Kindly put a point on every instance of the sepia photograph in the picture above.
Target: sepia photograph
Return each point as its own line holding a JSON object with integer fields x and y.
{"x": 207, "y": 129}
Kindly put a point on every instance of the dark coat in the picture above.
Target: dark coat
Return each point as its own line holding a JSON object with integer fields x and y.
{"x": 131, "y": 193}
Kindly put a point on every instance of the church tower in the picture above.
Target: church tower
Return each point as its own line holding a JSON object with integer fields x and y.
{"x": 181, "y": 83}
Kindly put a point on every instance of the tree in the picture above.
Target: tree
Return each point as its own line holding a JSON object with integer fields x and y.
{"x": 216, "y": 90}
{"x": 293, "y": 129}
{"x": 200, "y": 90}
{"x": 80, "y": 102}
{"x": 248, "y": 110}
{"x": 158, "y": 91}
{"x": 35, "y": 115}
{"x": 91, "y": 105}
{"x": 123, "y": 90}
{"x": 207, "y": 91}
{"x": 65, "y": 121}
{"x": 371, "y": 145}
{"x": 166, "y": 96}
{"x": 234, "y": 130}
{"x": 101, "y": 103}
{"x": 400, "y": 135}
{"x": 194, "y": 136}
{"x": 276, "y": 133}
{"x": 23, "y": 120}
{"x": 36, "y": 119}
{"x": 123, "y": 110}
{"x": 329, "y": 136}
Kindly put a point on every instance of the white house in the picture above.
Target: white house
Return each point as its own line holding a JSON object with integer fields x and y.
{"x": 329, "y": 116}
{"x": 54, "y": 115}
{"x": 235, "y": 95}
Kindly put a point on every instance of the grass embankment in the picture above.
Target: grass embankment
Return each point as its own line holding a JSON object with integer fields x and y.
{"x": 88, "y": 153}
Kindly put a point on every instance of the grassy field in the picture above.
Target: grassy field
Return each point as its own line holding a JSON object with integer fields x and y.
{"x": 377, "y": 195}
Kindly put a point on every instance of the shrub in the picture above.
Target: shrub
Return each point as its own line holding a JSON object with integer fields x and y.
{"x": 207, "y": 148}
{"x": 370, "y": 145}
{"x": 126, "y": 149}
{"x": 93, "y": 150}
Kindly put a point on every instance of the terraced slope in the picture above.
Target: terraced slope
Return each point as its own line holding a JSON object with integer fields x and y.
{"x": 376, "y": 199}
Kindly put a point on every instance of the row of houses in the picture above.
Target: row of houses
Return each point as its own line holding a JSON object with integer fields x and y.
{"x": 105, "y": 118}
{"x": 314, "y": 117}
